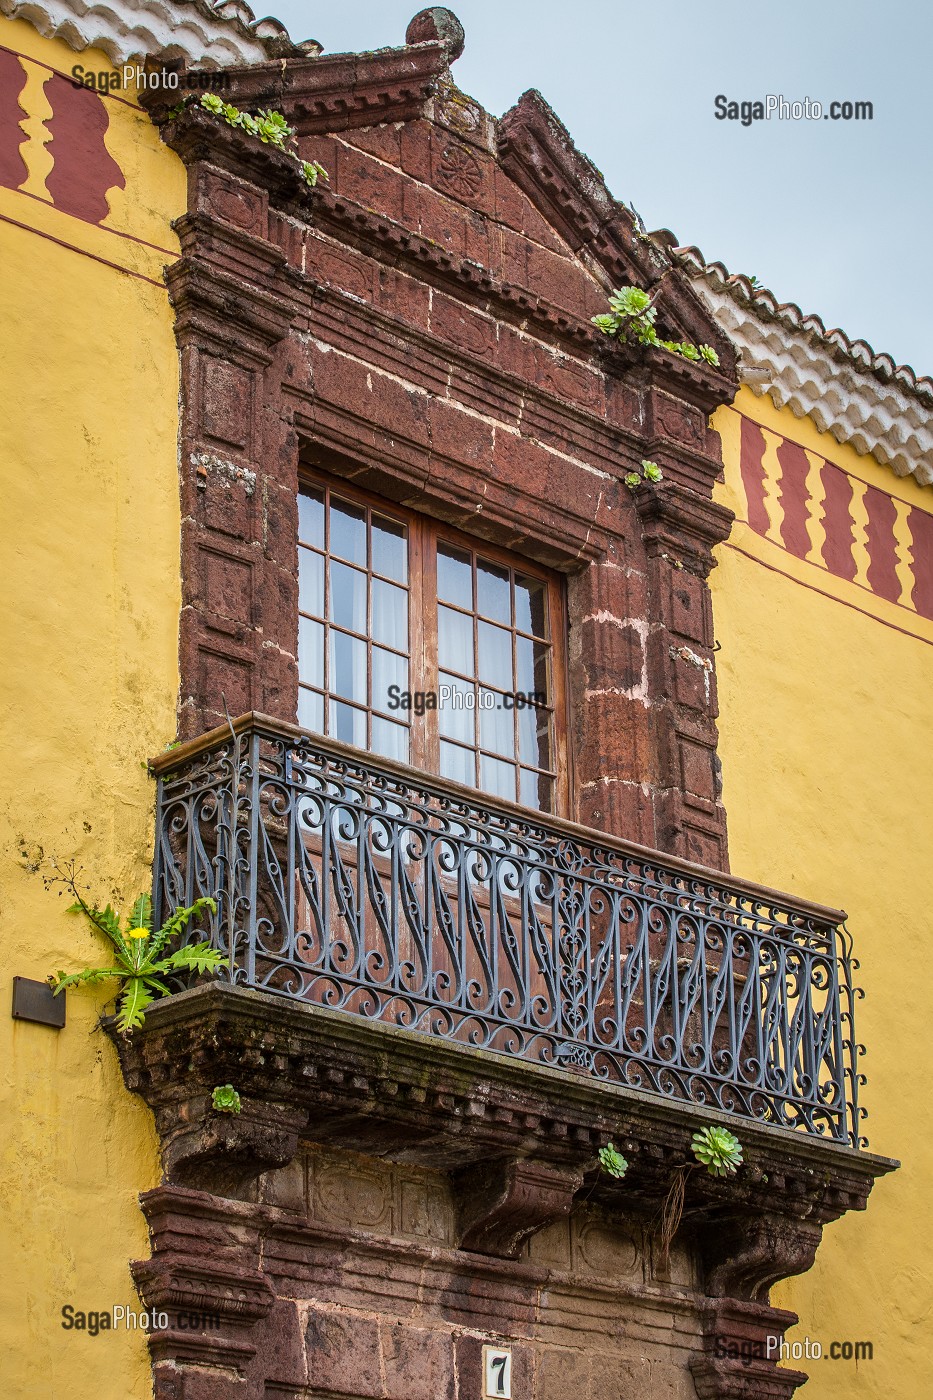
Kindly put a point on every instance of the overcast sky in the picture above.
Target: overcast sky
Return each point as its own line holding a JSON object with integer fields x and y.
{"x": 829, "y": 214}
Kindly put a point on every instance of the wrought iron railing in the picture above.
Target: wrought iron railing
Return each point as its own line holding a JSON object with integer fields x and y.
{"x": 361, "y": 885}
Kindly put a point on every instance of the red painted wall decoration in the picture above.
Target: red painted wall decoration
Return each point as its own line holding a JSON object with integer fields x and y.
{"x": 833, "y": 509}
{"x": 882, "y": 545}
{"x": 837, "y": 521}
{"x": 12, "y": 81}
{"x": 921, "y": 533}
{"x": 83, "y": 169}
{"x": 753, "y": 475}
{"x": 794, "y": 498}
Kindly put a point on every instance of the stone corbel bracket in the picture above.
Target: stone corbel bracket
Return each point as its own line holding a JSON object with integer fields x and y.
{"x": 307, "y": 1072}
{"x": 503, "y": 1203}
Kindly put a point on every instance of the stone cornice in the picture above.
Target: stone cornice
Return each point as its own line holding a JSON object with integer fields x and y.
{"x": 537, "y": 152}
{"x": 374, "y": 1087}
{"x": 339, "y": 91}
{"x": 683, "y": 522}
{"x": 197, "y": 137}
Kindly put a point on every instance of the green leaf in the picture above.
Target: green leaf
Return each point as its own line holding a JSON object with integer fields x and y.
{"x": 651, "y": 471}
{"x": 199, "y": 956}
{"x": 313, "y": 171}
{"x": 709, "y": 355}
{"x": 153, "y": 982}
{"x": 632, "y": 479}
{"x": 212, "y": 103}
{"x": 645, "y": 333}
{"x": 141, "y": 914}
{"x": 631, "y": 301}
{"x": 132, "y": 1005}
{"x": 106, "y": 920}
{"x": 177, "y": 922}
{"x": 225, "y": 1099}
{"x": 612, "y": 1161}
{"x": 273, "y": 128}
{"x": 718, "y": 1150}
{"x": 88, "y": 975}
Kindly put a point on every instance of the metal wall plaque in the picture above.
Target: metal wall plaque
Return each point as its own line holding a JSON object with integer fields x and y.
{"x": 33, "y": 1001}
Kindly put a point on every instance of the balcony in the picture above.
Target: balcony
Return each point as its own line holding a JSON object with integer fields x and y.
{"x": 469, "y": 999}
{"x": 359, "y": 886}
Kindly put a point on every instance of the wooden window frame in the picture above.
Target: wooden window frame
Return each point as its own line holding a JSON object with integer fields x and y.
{"x": 425, "y": 533}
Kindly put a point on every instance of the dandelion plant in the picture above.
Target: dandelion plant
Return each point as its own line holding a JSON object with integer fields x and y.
{"x": 140, "y": 960}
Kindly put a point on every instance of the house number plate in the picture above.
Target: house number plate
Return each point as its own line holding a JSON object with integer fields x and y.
{"x": 497, "y": 1373}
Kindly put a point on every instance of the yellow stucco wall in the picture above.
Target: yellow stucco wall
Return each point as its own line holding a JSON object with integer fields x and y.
{"x": 89, "y": 385}
{"x": 828, "y": 785}
{"x": 828, "y": 778}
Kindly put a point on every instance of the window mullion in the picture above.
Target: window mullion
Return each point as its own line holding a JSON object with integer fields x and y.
{"x": 425, "y": 734}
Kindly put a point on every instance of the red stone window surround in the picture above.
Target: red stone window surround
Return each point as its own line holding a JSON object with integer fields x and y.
{"x": 424, "y": 645}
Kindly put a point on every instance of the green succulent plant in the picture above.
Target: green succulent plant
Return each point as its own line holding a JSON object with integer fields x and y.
{"x": 650, "y": 471}
{"x": 225, "y": 1099}
{"x": 269, "y": 127}
{"x": 718, "y": 1150}
{"x": 612, "y": 1161}
{"x": 140, "y": 961}
{"x": 631, "y": 317}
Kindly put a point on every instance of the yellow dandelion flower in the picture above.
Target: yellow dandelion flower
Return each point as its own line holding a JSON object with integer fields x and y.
{"x": 138, "y": 933}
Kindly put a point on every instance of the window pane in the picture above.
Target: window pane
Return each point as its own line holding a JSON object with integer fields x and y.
{"x": 492, "y": 588}
{"x": 496, "y": 724}
{"x": 347, "y": 667}
{"x": 310, "y": 582}
{"x": 348, "y": 725}
{"x": 455, "y": 641}
{"x": 537, "y": 791}
{"x": 453, "y": 717}
{"x": 390, "y": 615}
{"x": 348, "y": 531}
{"x": 310, "y": 652}
{"x": 497, "y": 777}
{"x": 311, "y": 517}
{"x": 454, "y": 576}
{"x": 388, "y": 670}
{"x": 531, "y": 606}
{"x": 347, "y": 597}
{"x": 534, "y": 737}
{"x": 355, "y": 609}
{"x": 311, "y": 710}
{"x": 495, "y": 655}
{"x": 390, "y": 549}
{"x": 457, "y": 764}
{"x": 391, "y": 740}
{"x": 531, "y": 658}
